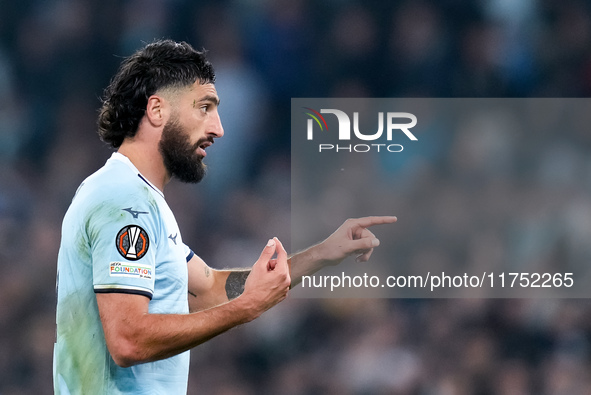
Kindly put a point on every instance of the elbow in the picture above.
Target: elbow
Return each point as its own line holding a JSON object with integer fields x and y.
{"x": 122, "y": 361}
{"x": 125, "y": 354}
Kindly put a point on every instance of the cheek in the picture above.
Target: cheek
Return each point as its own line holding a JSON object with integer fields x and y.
{"x": 198, "y": 129}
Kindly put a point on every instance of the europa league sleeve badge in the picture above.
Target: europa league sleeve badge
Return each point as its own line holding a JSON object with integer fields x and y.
{"x": 132, "y": 242}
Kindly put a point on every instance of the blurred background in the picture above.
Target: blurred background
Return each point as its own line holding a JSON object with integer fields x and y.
{"x": 57, "y": 56}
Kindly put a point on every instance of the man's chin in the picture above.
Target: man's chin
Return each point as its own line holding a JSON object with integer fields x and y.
{"x": 192, "y": 176}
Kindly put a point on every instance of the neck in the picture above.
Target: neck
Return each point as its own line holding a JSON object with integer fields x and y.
{"x": 148, "y": 160}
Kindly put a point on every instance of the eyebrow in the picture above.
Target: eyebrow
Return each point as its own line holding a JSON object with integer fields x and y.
{"x": 210, "y": 98}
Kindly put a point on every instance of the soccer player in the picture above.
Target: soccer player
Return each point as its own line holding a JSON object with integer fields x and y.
{"x": 132, "y": 296}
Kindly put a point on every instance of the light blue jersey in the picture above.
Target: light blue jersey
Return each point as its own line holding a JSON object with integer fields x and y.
{"x": 118, "y": 235}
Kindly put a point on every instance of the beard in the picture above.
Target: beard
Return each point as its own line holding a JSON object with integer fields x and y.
{"x": 180, "y": 157}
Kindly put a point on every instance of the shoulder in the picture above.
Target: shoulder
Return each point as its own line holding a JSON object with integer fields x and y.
{"x": 115, "y": 182}
{"x": 115, "y": 193}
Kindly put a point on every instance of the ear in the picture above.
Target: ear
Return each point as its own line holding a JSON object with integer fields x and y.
{"x": 155, "y": 111}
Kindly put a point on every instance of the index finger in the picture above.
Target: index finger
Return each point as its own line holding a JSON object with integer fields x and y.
{"x": 366, "y": 222}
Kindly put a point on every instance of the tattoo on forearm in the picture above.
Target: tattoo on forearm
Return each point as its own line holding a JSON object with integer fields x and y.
{"x": 235, "y": 283}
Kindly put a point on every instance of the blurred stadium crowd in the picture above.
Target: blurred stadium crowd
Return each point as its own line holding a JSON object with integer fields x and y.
{"x": 56, "y": 56}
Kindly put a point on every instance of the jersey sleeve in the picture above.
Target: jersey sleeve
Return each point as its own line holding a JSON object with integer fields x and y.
{"x": 123, "y": 236}
{"x": 188, "y": 252}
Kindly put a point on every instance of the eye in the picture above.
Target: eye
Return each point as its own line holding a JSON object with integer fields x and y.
{"x": 204, "y": 109}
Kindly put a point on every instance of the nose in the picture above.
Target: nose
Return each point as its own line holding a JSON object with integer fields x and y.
{"x": 216, "y": 127}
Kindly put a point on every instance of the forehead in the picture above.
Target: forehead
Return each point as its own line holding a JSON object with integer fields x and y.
{"x": 199, "y": 91}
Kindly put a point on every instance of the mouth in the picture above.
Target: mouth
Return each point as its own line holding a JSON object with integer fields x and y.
{"x": 201, "y": 148}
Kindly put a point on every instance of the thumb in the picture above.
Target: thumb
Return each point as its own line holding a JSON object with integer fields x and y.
{"x": 267, "y": 253}
{"x": 281, "y": 253}
{"x": 281, "y": 257}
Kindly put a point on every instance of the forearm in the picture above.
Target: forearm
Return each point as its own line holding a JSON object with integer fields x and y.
{"x": 226, "y": 285}
{"x": 303, "y": 263}
{"x": 149, "y": 337}
{"x": 306, "y": 263}
{"x": 173, "y": 334}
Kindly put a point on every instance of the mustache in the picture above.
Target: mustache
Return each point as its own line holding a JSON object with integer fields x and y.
{"x": 201, "y": 141}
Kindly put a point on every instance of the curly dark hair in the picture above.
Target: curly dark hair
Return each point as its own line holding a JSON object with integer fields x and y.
{"x": 160, "y": 64}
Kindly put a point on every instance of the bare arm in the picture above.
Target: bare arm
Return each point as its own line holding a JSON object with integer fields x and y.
{"x": 133, "y": 335}
{"x": 209, "y": 287}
